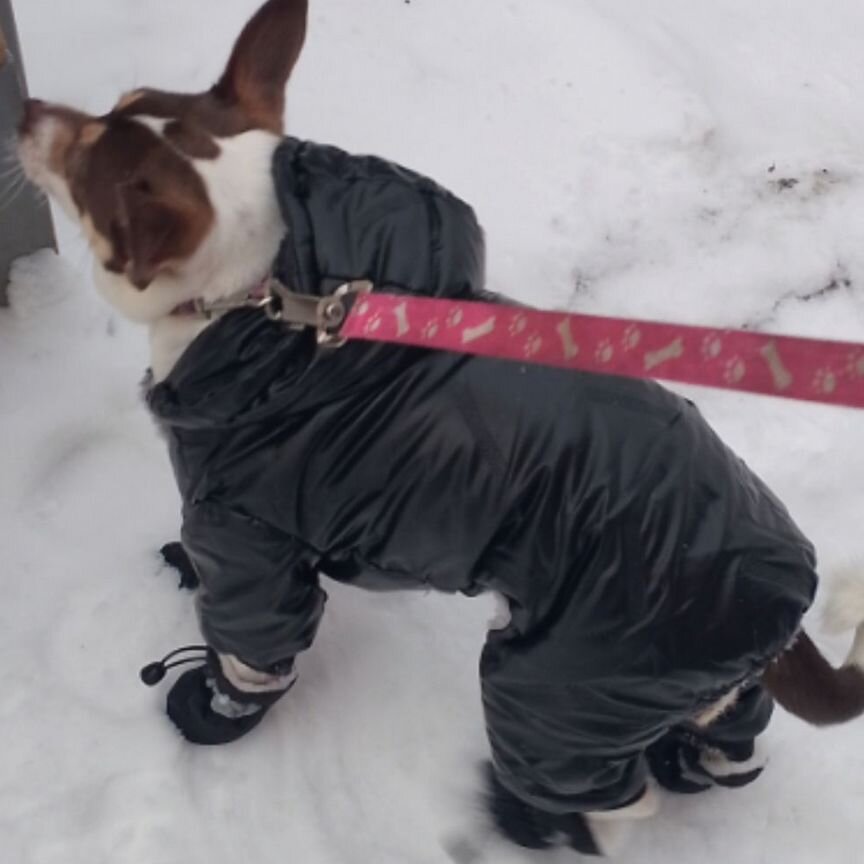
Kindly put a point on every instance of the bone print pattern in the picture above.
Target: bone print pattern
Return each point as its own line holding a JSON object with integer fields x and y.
{"x": 796, "y": 368}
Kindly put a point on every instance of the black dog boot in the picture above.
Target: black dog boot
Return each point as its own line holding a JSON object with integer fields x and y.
{"x": 732, "y": 765}
{"x": 681, "y": 762}
{"x": 670, "y": 760}
{"x": 532, "y": 828}
{"x": 691, "y": 757}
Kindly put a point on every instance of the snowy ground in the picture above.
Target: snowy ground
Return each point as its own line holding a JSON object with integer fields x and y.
{"x": 626, "y": 156}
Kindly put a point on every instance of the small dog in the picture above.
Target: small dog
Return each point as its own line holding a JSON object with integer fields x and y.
{"x": 653, "y": 586}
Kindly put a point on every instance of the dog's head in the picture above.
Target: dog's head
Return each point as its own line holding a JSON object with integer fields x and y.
{"x": 164, "y": 176}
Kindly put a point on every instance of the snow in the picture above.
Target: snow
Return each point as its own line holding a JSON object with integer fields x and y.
{"x": 626, "y": 158}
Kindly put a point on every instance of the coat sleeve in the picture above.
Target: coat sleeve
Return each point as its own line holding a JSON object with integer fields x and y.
{"x": 259, "y": 599}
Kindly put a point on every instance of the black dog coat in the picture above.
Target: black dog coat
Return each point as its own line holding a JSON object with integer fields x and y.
{"x": 646, "y": 568}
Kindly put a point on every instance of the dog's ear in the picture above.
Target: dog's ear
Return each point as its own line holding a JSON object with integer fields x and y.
{"x": 262, "y": 61}
{"x": 152, "y": 232}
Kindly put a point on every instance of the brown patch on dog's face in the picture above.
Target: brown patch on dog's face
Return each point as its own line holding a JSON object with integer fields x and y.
{"x": 140, "y": 202}
{"x": 141, "y": 196}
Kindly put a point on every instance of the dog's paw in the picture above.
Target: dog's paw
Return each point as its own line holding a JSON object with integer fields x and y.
{"x": 730, "y": 769}
{"x": 686, "y": 767}
{"x": 670, "y": 761}
{"x": 174, "y": 556}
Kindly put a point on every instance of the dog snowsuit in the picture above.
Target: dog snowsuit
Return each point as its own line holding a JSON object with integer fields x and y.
{"x": 646, "y": 569}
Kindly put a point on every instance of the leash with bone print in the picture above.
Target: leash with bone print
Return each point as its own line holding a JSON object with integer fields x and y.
{"x": 813, "y": 370}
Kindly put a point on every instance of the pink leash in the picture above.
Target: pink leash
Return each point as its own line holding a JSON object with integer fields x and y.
{"x": 814, "y": 370}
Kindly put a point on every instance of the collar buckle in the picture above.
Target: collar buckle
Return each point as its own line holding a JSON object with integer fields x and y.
{"x": 325, "y": 314}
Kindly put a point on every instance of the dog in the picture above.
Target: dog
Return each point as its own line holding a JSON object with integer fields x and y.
{"x": 653, "y": 587}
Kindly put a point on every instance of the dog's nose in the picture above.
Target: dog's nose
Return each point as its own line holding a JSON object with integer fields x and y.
{"x": 34, "y": 110}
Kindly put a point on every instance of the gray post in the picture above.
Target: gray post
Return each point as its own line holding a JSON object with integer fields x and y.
{"x": 25, "y": 223}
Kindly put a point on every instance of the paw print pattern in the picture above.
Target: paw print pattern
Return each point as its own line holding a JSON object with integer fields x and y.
{"x": 518, "y": 325}
{"x": 735, "y": 371}
{"x": 533, "y": 345}
{"x": 363, "y": 308}
{"x": 855, "y": 366}
{"x": 373, "y": 325}
{"x": 712, "y": 347}
{"x": 454, "y": 319}
{"x": 430, "y": 331}
{"x": 605, "y": 351}
{"x": 631, "y": 339}
{"x": 825, "y": 381}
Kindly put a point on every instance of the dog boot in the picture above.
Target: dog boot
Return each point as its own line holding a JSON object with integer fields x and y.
{"x": 731, "y": 766}
{"x": 681, "y": 762}
{"x": 519, "y": 822}
{"x": 669, "y": 760}
{"x": 174, "y": 556}
{"x": 531, "y": 828}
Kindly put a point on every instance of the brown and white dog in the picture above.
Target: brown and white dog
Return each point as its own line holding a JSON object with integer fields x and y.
{"x": 174, "y": 191}
{"x": 176, "y": 198}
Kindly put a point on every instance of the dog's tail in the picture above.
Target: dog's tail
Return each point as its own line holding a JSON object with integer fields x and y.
{"x": 805, "y": 683}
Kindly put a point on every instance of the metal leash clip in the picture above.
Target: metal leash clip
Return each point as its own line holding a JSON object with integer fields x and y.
{"x": 325, "y": 314}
